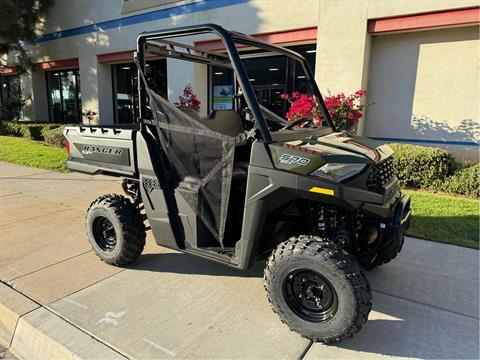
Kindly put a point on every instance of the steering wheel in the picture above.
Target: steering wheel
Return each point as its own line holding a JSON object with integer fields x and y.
{"x": 296, "y": 122}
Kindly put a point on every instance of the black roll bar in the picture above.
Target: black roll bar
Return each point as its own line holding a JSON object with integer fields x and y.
{"x": 229, "y": 38}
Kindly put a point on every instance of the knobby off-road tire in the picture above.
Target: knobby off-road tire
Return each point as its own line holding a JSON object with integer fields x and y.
{"x": 115, "y": 229}
{"x": 297, "y": 265}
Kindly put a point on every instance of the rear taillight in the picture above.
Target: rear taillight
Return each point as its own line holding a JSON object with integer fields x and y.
{"x": 67, "y": 146}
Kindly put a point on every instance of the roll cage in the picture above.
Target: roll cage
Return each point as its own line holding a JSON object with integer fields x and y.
{"x": 156, "y": 42}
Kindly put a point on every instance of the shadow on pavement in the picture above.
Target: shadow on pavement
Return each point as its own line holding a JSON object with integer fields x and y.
{"x": 398, "y": 326}
{"x": 402, "y": 329}
{"x": 181, "y": 263}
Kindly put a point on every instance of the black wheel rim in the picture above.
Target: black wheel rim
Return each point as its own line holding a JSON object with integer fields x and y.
{"x": 104, "y": 234}
{"x": 310, "y": 295}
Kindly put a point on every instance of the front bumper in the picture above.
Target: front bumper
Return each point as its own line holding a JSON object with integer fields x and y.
{"x": 392, "y": 235}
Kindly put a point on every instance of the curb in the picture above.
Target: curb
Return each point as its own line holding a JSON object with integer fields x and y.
{"x": 31, "y": 331}
{"x": 13, "y": 305}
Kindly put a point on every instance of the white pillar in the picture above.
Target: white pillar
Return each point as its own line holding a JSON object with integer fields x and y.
{"x": 343, "y": 47}
{"x": 26, "y": 91}
{"x": 179, "y": 75}
{"x": 105, "y": 95}
{"x": 39, "y": 95}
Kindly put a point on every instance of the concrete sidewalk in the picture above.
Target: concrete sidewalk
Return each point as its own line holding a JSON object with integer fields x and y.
{"x": 58, "y": 299}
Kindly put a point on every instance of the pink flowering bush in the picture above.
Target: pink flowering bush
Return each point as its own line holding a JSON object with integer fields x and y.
{"x": 345, "y": 110}
{"x": 188, "y": 100}
{"x": 303, "y": 106}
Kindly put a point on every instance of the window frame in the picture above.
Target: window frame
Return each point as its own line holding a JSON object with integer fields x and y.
{"x": 78, "y": 107}
{"x": 8, "y": 78}
{"x": 135, "y": 81}
{"x": 290, "y": 79}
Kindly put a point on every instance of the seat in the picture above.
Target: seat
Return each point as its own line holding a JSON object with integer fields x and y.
{"x": 226, "y": 122}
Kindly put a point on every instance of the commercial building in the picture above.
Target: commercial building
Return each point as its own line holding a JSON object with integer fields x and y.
{"x": 419, "y": 60}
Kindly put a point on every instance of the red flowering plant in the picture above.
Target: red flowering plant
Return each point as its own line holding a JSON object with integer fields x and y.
{"x": 345, "y": 110}
{"x": 303, "y": 106}
{"x": 188, "y": 100}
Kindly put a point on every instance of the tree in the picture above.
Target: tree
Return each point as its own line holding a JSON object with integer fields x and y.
{"x": 19, "y": 20}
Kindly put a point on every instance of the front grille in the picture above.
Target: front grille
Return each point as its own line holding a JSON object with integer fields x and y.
{"x": 380, "y": 174}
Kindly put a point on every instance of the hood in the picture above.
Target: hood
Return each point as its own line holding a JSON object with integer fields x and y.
{"x": 307, "y": 155}
{"x": 342, "y": 142}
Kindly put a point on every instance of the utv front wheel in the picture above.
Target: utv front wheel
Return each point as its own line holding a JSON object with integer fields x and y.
{"x": 115, "y": 229}
{"x": 317, "y": 289}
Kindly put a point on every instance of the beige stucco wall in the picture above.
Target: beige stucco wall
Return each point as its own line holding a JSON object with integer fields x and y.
{"x": 425, "y": 86}
{"x": 343, "y": 43}
{"x": 447, "y": 81}
{"x": 345, "y": 62}
{"x": 257, "y": 16}
{"x": 347, "y": 56}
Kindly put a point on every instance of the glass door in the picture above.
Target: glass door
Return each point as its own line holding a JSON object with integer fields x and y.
{"x": 64, "y": 96}
{"x": 125, "y": 81}
{"x": 9, "y": 87}
{"x": 125, "y": 94}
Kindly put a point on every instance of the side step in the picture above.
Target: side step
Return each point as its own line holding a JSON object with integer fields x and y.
{"x": 225, "y": 255}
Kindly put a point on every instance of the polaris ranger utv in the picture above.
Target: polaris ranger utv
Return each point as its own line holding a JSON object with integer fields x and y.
{"x": 237, "y": 183}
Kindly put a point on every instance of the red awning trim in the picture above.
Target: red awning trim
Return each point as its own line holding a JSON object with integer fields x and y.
{"x": 445, "y": 18}
{"x": 282, "y": 37}
{"x": 114, "y": 57}
{"x": 8, "y": 70}
{"x": 57, "y": 64}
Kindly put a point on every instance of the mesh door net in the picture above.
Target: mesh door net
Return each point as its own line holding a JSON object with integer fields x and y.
{"x": 201, "y": 158}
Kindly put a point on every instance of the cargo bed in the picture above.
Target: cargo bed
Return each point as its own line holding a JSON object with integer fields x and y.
{"x": 102, "y": 149}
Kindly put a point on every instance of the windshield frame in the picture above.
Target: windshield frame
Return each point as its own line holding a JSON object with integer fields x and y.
{"x": 273, "y": 50}
{"x": 229, "y": 40}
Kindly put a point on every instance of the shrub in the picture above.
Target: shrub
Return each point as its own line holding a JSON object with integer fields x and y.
{"x": 10, "y": 128}
{"x": 465, "y": 181}
{"x": 34, "y": 131}
{"x": 47, "y": 127}
{"x": 55, "y": 137}
{"x": 422, "y": 167}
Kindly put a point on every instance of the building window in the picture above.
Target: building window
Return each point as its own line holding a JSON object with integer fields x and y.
{"x": 269, "y": 85}
{"x": 269, "y": 76}
{"x": 9, "y": 88}
{"x": 64, "y": 96}
{"x": 125, "y": 90}
{"x": 309, "y": 52}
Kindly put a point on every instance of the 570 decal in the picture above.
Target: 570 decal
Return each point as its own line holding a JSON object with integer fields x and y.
{"x": 292, "y": 159}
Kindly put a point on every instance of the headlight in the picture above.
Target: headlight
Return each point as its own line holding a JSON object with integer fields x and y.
{"x": 338, "y": 171}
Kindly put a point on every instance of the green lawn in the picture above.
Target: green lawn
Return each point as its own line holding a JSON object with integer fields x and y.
{"x": 32, "y": 153}
{"x": 445, "y": 218}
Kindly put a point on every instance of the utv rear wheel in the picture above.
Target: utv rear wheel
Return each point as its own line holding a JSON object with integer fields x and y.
{"x": 115, "y": 229}
{"x": 317, "y": 289}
